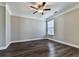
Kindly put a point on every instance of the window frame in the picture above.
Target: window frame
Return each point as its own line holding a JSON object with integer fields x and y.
{"x": 51, "y": 26}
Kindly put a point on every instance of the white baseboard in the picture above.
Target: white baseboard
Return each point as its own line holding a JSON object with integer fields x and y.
{"x": 5, "y": 47}
{"x": 26, "y": 40}
{"x": 69, "y": 44}
{"x": 2, "y": 48}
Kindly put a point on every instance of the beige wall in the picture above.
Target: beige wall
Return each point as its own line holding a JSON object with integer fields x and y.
{"x": 2, "y": 26}
{"x": 71, "y": 27}
{"x": 59, "y": 28}
{"x": 26, "y": 28}
{"x": 67, "y": 27}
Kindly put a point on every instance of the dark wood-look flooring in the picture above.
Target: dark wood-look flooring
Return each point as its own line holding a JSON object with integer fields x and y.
{"x": 39, "y": 48}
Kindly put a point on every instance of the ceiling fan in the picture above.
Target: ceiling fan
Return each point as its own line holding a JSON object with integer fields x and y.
{"x": 40, "y": 8}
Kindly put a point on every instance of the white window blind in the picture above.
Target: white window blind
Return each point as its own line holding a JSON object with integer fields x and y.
{"x": 51, "y": 27}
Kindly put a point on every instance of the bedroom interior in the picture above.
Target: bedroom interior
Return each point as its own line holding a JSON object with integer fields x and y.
{"x": 39, "y": 29}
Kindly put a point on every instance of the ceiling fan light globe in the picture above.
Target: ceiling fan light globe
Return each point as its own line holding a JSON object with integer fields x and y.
{"x": 40, "y": 11}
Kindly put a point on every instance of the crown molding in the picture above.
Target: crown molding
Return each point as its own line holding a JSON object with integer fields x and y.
{"x": 69, "y": 10}
{"x": 34, "y": 18}
{"x": 8, "y": 9}
{"x": 12, "y": 14}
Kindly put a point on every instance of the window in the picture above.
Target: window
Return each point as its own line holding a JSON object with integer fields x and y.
{"x": 50, "y": 27}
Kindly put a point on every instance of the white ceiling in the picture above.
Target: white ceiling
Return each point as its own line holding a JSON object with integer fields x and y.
{"x": 23, "y": 8}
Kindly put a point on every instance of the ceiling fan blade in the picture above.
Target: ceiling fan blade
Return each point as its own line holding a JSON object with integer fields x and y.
{"x": 43, "y": 4}
{"x": 46, "y": 9}
{"x": 33, "y": 7}
{"x": 35, "y": 12}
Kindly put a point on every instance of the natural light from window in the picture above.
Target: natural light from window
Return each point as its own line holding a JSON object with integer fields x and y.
{"x": 51, "y": 27}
